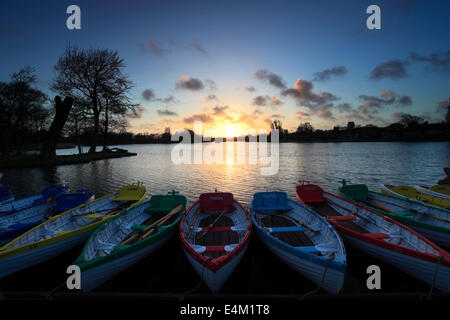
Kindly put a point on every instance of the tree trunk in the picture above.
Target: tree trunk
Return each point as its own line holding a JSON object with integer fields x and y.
{"x": 95, "y": 133}
{"x": 62, "y": 108}
{"x": 105, "y": 136}
{"x": 77, "y": 133}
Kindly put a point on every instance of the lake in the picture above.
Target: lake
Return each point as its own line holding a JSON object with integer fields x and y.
{"x": 325, "y": 164}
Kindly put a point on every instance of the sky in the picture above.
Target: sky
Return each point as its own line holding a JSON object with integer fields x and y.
{"x": 238, "y": 65}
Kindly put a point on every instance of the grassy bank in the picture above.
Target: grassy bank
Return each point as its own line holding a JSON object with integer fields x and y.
{"x": 33, "y": 161}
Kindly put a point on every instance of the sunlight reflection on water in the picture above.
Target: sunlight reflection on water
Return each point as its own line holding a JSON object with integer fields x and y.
{"x": 321, "y": 163}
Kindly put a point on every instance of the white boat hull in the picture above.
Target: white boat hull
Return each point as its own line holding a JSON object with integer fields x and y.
{"x": 415, "y": 267}
{"x": 94, "y": 277}
{"x": 333, "y": 281}
{"x": 17, "y": 262}
{"x": 215, "y": 280}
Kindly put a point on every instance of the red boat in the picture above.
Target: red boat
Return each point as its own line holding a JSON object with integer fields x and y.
{"x": 381, "y": 236}
{"x": 214, "y": 234}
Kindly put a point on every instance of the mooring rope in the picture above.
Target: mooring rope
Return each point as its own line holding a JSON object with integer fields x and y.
{"x": 199, "y": 283}
{"x": 433, "y": 283}
{"x": 323, "y": 278}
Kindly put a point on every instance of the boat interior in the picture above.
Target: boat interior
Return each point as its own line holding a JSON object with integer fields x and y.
{"x": 359, "y": 219}
{"x": 295, "y": 224}
{"x": 87, "y": 214}
{"x": 412, "y": 210}
{"x": 128, "y": 226}
{"x": 216, "y": 225}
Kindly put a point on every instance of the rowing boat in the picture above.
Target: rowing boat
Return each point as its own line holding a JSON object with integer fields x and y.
{"x": 15, "y": 223}
{"x": 128, "y": 238}
{"x": 411, "y": 193}
{"x": 381, "y": 236}
{"x": 438, "y": 190}
{"x": 5, "y": 195}
{"x": 301, "y": 238}
{"x": 214, "y": 234}
{"x": 431, "y": 222}
{"x": 33, "y": 200}
{"x": 66, "y": 230}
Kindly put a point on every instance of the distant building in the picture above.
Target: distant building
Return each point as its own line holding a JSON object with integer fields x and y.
{"x": 350, "y": 125}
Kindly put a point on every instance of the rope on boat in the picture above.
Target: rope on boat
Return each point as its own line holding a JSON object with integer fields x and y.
{"x": 433, "y": 283}
{"x": 321, "y": 281}
{"x": 198, "y": 284}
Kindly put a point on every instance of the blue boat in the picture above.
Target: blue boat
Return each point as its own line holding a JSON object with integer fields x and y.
{"x": 301, "y": 238}
{"x": 33, "y": 200}
{"x": 5, "y": 195}
{"x": 15, "y": 223}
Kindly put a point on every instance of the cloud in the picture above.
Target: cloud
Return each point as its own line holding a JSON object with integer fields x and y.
{"x": 166, "y": 112}
{"x": 274, "y": 79}
{"x": 211, "y": 84}
{"x": 442, "y": 106}
{"x": 404, "y": 101}
{"x": 189, "y": 83}
{"x": 220, "y": 110}
{"x": 210, "y": 97}
{"x": 250, "y": 88}
{"x": 197, "y": 46}
{"x": 438, "y": 60}
{"x": 275, "y": 101}
{"x": 154, "y": 47}
{"x": 327, "y": 73}
{"x": 267, "y": 100}
{"x": 344, "y": 107}
{"x": 198, "y": 117}
{"x": 138, "y": 114}
{"x": 148, "y": 95}
{"x": 320, "y": 104}
{"x": 167, "y": 99}
{"x": 388, "y": 97}
{"x": 302, "y": 115}
{"x": 388, "y": 94}
{"x": 277, "y": 115}
{"x": 259, "y": 101}
{"x": 393, "y": 69}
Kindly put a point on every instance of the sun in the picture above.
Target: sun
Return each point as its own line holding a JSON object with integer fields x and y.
{"x": 232, "y": 131}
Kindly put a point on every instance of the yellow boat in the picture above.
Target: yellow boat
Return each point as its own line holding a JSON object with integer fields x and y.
{"x": 409, "y": 192}
{"x": 438, "y": 190}
{"x": 66, "y": 230}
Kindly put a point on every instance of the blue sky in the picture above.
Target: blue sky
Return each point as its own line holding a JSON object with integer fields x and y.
{"x": 227, "y": 42}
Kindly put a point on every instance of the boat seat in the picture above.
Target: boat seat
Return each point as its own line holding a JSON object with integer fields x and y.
{"x": 104, "y": 245}
{"x": 270, "y": 201}
{"x": 406, "y": 213}
{"x": 138, "y": 227}
{"x": 94, "y": 216}
{"x": 121, "y": 246}
{"x": 221, "y": 229}
{"x": 286, "y": 229}
{"x": 378, "y": 235}
{"x": 203, "y": 249}
{"x": 308, "y": 249}
{"x": 342, "y": 218}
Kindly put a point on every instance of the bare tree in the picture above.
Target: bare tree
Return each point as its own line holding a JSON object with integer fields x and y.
{"x": 22, "y": 108}
{"x": 92, "y": 75}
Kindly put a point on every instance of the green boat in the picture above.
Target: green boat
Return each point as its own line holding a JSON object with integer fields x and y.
{"x": 129, "y": 237}
{"x": 430, "y": 221}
